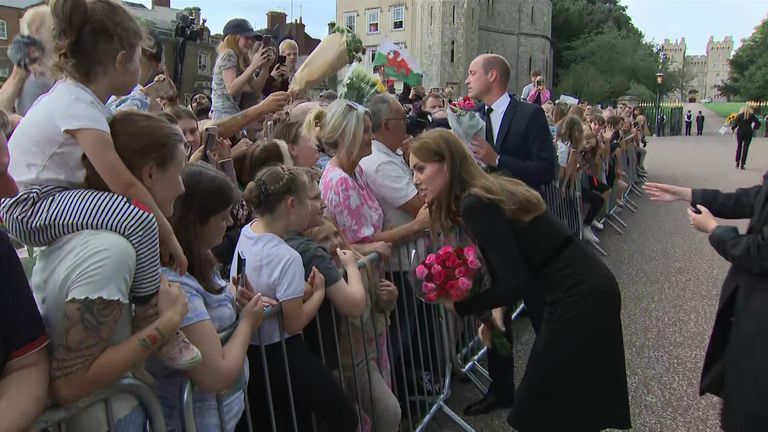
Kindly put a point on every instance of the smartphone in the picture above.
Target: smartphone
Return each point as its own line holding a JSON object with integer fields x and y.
{"x": 158, "y": 88}
{"x": 266, "y": 41}
{"x": 241, "y": 270}
{"x": 281, "y": 59}
{"x": 211, "y": 135}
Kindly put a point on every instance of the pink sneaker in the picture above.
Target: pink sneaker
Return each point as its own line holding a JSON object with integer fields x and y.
{"x": 179, "y": 353}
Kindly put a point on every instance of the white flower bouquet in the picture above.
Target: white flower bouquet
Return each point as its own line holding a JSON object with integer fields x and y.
{"x": 466, "y": 125}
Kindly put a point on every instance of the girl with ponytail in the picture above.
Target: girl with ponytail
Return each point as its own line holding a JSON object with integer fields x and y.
{"x": 98, "y": 46}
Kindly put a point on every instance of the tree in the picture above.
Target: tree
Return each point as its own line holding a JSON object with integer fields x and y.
{"x": 575, "y": 19}
{"x": 605, "y": 65}
{"x": 749, "y": 67}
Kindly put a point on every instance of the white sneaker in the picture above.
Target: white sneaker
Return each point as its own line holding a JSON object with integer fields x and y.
{"x": 589, "y": 235}
{"x": 597, "y": 225}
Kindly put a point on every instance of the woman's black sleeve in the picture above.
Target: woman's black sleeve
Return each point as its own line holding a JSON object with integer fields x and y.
{"x": 491, "y": 228}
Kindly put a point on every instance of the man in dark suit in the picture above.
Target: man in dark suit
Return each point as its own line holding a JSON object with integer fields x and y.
{"x": 699, "y": 123}
{"x": 517, "y": 143}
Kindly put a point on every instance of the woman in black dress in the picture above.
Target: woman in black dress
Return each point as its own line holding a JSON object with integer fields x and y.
{"x": 745, "y": 125}
{"x": 576, "y": 378}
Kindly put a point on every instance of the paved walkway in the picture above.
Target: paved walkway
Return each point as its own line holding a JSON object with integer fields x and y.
{"x": 670, "y": 280}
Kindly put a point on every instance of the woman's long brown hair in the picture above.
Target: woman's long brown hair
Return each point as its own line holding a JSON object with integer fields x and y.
{"x": 516, "y": 199}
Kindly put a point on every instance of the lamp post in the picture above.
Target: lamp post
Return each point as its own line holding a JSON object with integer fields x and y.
{"x": 659, "y": 83}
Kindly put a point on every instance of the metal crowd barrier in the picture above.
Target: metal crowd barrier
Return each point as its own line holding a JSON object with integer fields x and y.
{"x": 424, "y": 344}
{"x": 57, "y": 418}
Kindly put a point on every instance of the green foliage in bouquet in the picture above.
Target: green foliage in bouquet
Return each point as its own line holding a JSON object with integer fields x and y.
{"x": 355, "y": 47}
{"x": 359, "y": 85}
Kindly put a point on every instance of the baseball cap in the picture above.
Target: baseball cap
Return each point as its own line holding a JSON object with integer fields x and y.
{"x": 239, "y": 26}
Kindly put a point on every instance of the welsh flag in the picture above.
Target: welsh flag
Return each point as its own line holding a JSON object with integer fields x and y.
{"x": 398, "y": 64}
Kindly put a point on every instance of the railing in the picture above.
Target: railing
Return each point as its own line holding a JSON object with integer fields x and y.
{"x": 418, "y": 347}
{"x": 64, "y": 418}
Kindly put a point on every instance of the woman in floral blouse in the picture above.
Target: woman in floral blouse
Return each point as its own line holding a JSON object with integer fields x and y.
{"x": 346, "y": 129}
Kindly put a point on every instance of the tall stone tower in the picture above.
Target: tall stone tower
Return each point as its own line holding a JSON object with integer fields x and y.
{"x": 718, "y": 66}
{"x": 674, "y": 52}
{"x": 453, "y": 32}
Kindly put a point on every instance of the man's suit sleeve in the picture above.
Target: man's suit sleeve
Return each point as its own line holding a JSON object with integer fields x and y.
{"x": 540, "y": 168}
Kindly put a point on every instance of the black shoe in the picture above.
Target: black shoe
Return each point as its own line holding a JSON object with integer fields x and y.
{"x": 488, "y": 403}
{"x": 737, "y": 165}
{"x": 742, "y": 168}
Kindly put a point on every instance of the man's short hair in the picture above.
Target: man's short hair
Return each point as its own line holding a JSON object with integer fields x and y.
{"x": 380, "y": 107}
{"x": 288, "y": 44}
{"x": 498, "y": 63}
{"x": 535, "y": 74}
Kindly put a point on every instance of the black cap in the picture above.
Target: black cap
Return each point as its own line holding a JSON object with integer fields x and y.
{"x": 239, "y": 26}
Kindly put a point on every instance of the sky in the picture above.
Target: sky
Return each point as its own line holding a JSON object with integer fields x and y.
{"x": 316, "y": 13}
{"x": 695, "y": 20}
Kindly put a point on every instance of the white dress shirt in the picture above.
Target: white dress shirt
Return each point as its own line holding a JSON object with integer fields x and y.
{"x": 499, "y": 108}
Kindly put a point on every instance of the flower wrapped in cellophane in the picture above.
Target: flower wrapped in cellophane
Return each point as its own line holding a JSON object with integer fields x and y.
{"x": 359, "y": 85}
{"x": 456, "y": 274}
{"x": 466, "y": 124}
{"x": 338, "y": 49}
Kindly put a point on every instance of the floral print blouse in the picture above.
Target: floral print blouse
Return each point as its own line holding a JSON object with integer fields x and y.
{"x": 351, "y": 203}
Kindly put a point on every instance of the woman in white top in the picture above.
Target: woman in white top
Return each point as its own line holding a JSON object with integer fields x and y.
{"x": 278, "y": 194}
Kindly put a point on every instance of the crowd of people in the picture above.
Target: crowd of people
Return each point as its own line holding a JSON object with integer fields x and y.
{"x": 160, "y": 226}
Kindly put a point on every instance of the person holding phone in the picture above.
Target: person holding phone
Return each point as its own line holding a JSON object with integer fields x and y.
{"x": 284, "y": 68}
{"x": 242, "y": 56}
{"x": 153, "y": 84}
{"x": 200, "y": 220}
{"x": 734, "y": 366}
{"x": 540, "y": 94}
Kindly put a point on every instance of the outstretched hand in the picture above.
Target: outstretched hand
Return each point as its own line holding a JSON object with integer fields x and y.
{"x": 667, "y": 193}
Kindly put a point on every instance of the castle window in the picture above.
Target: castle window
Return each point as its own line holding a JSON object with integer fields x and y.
{"x": 350, "y": 20}
{"x": 530, "y": 65}
{"x": 203, "y": 63}
{"x": 431, "y": 10}
{"x": 398, "y": 17}
{"x": 3, "y": 30}
{"x": 532, "y": 15}
{"x": 453, "y": 46}
{"x": 454, "y": 15}
{"x": 373, "y": 20}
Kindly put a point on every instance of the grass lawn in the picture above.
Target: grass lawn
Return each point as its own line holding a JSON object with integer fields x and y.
{"x": 725, "y": 108}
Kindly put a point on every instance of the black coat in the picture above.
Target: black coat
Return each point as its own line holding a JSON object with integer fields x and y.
{"x": 575, "y": 378}
{"x": 736, "y": 363}
{"x": 745, "y": 126}
{"x": 524, "y": 143}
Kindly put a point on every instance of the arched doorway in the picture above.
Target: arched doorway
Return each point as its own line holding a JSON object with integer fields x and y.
{"x": 693, "y": 96}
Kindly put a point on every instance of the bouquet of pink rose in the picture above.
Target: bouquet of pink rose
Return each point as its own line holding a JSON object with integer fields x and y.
{"x": 456, "y": 273}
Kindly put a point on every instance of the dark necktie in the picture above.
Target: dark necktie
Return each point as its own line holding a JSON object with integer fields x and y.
{"x": 489, "y": 127}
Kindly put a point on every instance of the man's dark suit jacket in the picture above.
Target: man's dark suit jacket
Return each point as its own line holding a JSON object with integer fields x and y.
{"x": 524, "y": 143}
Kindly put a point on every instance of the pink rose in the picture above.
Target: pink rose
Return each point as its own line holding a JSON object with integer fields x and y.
{"x": 429, "y": 288}
{"x": 452, "y": 262}
{"x": 473, "y": 263}
{"x": 431, "y": 260}
{"x": 465, "y": 284}
{"x": 461, "y": 272}
{"x": 445, "y": 250}
{"x": 438, "y": 273}
{"x": 470, "y": 252}
{"x": 421, "y": 272}
{"x": 431, "y": 297}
